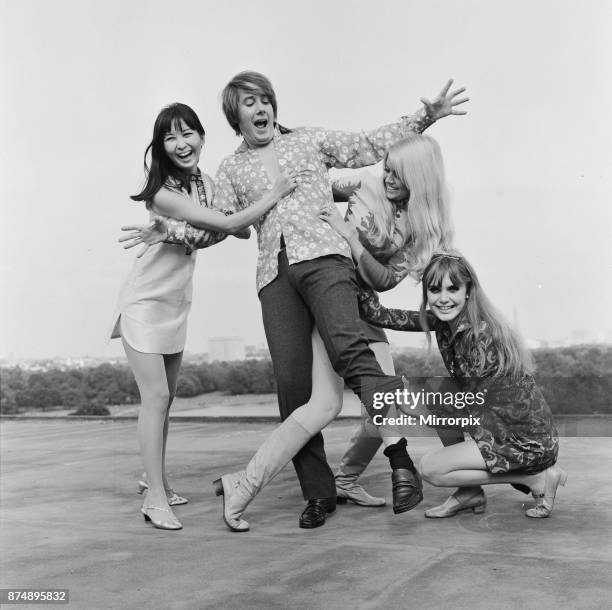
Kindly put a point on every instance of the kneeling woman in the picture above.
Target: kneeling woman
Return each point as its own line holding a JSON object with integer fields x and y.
{"x": 515, "y": 440}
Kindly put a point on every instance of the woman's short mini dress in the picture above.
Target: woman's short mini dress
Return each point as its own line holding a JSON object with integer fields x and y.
{"x": 155, "y": 300}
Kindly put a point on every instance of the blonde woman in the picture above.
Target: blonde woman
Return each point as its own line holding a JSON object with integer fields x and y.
{"x": 393, "y": 225}
{"x": 381, "y": 226}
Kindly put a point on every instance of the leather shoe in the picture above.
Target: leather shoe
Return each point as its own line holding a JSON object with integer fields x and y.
{"x": 407, "y": 489}
{"x": 316, "y": 511}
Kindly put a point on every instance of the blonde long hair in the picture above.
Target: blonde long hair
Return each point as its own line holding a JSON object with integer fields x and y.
{"x": 513, "y": 358}
{"x": 417, "y": 162}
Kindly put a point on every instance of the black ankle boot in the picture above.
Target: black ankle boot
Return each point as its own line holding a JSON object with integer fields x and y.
{"x": 406, "y": 482}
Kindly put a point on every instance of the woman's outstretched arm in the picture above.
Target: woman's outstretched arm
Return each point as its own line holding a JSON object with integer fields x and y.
{"x": 176, "y": 205}
{"x": 180, "y": 222}
{"x": 394, "y": 319}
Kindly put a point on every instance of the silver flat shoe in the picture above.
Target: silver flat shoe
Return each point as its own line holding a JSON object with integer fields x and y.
{"x": 458, "y": 501}
{"x": 553, "y": 477}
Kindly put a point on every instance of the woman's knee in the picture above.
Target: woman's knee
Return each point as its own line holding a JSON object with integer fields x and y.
{"x": 315, "y": 416}
{"x": 156, "y": 398}
{"x": 430, "y": 470}
{"x": 327, "y": 395}
{"x": 326, "y": 407}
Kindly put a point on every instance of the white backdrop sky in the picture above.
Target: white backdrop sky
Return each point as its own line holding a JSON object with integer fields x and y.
{"x": 529, "y": 166}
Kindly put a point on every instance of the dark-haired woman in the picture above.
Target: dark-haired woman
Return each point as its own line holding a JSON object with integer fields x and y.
{"x": 151, "y": 315}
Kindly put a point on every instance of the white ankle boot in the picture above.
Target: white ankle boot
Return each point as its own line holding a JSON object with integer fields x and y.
{"x": 359, "y": 453}
{"x": 347, "y": 488}
{"x": 238, "y": 489}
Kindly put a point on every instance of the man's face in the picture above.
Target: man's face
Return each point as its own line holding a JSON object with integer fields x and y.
{"x": 255, "y": 118}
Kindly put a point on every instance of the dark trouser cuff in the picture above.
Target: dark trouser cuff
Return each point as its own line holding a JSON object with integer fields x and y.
{"x": 398, "y": 456}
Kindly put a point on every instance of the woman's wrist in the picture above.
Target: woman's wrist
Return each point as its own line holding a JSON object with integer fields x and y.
{"x": 351, "y": 235}
{"x": 355, "y": 245}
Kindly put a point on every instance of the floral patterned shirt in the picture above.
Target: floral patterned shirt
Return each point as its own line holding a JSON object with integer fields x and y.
{"x": 242, "y": 180}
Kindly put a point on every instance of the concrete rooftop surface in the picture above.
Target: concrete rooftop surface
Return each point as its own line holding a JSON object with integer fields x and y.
{"x": 70, "y": 519}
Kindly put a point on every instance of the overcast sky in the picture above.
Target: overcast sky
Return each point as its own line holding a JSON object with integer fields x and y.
{"x": 528, "y": 167}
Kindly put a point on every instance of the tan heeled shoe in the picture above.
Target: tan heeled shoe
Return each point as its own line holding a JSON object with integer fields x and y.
{"x": 458, "y": 501}
{"x": 347, "y": 488}
{"x": 239, "y": 488}
{"x": 170, "y": 522}
{"x": 545, "y": 501}
{"x": 173, "y": 498}
{"x": 359, "y": 453}
{"x": 235, "y": 500}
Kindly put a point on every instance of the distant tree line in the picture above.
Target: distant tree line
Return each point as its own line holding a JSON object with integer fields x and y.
{"x": 91, "y": 389}
{"x": 576, "y": 379}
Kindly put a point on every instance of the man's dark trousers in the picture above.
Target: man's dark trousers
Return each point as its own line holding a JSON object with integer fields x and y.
{"x": 321, "y": 291}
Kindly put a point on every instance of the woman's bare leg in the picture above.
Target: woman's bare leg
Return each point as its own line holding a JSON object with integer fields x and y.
{"x": 150, "y": 374}
{"x": 462, "y": 465}
{"x": 326, "y": 402}
{"x": 327, "y": 390}
{"x": 285, "y": 441}
{"x": 172, "y": 363}
{"x": 239, "y": 489}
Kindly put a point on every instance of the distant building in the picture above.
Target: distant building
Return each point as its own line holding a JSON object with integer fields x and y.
{"x": 579, "y": 336}
{"x": 226, "y": 348}
{"x": 197, "y": 358}
{"x": 257, "y": 352}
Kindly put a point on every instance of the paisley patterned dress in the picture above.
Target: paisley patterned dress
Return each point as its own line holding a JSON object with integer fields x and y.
{"x": 516, "y": 431}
